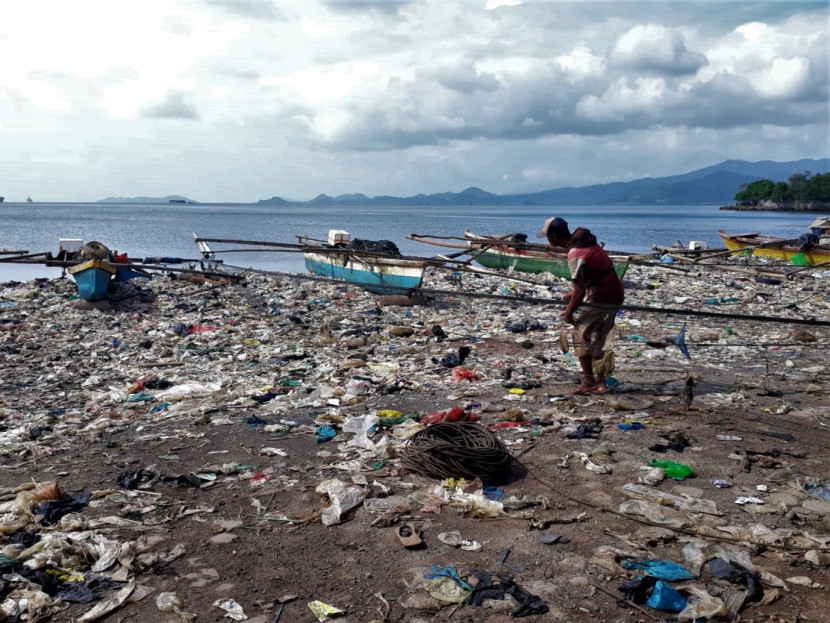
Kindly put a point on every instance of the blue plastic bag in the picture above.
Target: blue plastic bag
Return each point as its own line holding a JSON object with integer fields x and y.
{"x": 661, "y": 569}
{"x": 666, "y": 598}
{"x": 324, "y": 433}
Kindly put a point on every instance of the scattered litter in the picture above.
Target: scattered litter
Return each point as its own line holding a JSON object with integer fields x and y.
{"x": 748, "y": 500}
{"x": 678, "y": 471}
{"x": 323, "y": 611}
{"x": 171, "y": 603}
{"x": 278, "y": 367}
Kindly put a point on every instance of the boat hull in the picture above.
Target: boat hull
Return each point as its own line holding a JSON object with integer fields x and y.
{"x": 93, "y": 279}
{"x": 770, "y": 246}
{"x": 378, "y": 275}
{"x": 506, "y": 258}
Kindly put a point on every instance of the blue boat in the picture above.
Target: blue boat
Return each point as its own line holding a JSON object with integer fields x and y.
{"x": 378, "y": 274}
{"x": 93, "y": 279}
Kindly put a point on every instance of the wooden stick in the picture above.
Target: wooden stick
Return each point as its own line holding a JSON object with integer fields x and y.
{"x": 630, "y": 603}
{"x": 790, "y": 273}
{"x": 29, "y": 256}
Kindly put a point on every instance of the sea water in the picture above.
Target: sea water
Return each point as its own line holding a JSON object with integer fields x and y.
{"x": 167, "y": 230}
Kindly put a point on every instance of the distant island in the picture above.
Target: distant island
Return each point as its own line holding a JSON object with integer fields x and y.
{"x": 146, "y": 200}
{"x": 802, "y": 192}
{"x": 714, "y": 185}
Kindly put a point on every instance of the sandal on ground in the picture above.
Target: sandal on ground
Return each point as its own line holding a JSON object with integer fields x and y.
{"x": 408, "y": 535}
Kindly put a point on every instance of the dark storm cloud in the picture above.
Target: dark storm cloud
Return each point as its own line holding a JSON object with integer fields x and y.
{"x": 174, "y": 106}
{"x": 547, "y": 104}
{"x": 651, "y": 78}
{"x": 465, "y": 79}
{"x": 259, "y": 9}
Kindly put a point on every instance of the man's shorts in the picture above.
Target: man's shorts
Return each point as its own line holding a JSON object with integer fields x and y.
{"x": 593, "y": 332}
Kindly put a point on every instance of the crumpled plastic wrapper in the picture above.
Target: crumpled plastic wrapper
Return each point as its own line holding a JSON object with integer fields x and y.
{"x": 343, "y": 498}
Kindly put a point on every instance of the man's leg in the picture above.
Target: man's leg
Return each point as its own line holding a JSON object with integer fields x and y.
{"x": 590, "y": 334}
{"x": 589, "y": 383}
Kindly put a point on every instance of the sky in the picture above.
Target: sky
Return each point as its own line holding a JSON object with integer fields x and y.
{"x": 242, "y": 100}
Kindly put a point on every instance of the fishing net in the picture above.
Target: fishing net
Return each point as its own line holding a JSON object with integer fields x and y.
{"x": 94, "y": 250}
{"x": 379, "y": 247}
{"x": 458, "y": 450}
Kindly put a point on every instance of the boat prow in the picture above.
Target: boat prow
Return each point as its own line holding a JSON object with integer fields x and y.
{"x": 93, "y": 279}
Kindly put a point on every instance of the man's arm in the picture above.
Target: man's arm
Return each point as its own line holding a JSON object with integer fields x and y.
{"x": 574, "y": 299}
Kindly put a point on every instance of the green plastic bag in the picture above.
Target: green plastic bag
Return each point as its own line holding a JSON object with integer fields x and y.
{"x": 678, "y": 471}
{"x": 800, "y": 260}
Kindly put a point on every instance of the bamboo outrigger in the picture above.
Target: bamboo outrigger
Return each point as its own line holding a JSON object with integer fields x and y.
{"x": 512, "y": 252}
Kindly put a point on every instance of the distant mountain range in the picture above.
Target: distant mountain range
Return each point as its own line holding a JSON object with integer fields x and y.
{"x": 715, "y": 185}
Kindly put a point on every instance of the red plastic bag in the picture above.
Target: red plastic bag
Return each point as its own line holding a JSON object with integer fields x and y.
{"x": 505, "y": 425}
{"x": 456, "y": 414}
{"x": 200, "y": 328}
{"x": 460, "y": 374}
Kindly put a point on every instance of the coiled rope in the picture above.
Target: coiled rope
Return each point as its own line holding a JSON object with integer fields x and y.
{"x": 458, "y": 450}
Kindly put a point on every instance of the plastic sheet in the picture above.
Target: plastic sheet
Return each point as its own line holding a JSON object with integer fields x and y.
{"x": 666, "y": 598}
{"x": 342, "y": 499}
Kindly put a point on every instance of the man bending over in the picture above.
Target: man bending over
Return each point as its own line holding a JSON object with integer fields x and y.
{"x": 594, "y": 281}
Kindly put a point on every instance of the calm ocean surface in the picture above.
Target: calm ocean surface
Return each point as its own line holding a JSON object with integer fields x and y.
{"x": 151, "y": 230}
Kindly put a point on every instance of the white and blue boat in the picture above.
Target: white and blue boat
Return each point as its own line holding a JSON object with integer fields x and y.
{"x": 372, "y": 271}
{"x": 93, "y": 279}
{"x": 374, "y": 266}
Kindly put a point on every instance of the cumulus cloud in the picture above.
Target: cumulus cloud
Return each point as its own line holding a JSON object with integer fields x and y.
{"x": 580, "y": 63}
{"x": 175, "y": 105}
{"x": 464, "y": 85}
{"x": 652, "y": 47}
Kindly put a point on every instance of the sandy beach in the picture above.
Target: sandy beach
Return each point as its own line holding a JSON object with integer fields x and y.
{"x": 180, "y": 441}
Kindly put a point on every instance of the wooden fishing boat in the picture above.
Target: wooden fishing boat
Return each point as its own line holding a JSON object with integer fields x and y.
{"x": 375, "y": 269}
{"x": 513, "y": 253}
{"x": 789, "y": 249}
{"x": 381, "y": 274}
{"x": 93, "y": 278}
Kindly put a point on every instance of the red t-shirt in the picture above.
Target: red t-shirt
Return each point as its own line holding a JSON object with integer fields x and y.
{"x": 594, "y": 266}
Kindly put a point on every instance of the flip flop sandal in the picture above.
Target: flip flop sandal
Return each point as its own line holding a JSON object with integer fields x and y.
{"x": 408, "y": 535}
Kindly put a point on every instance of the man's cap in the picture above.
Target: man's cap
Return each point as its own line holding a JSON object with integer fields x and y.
{"x": 554, "y": 225}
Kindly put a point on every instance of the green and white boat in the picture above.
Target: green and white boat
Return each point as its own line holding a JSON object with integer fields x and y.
{"x": 513, "y": 253}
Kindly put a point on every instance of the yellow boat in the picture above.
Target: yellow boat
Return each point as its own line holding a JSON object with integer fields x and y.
{"x": 787, "y": 249}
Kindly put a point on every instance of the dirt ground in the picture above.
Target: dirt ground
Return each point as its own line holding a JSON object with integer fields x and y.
{"x": 250, "y": 527}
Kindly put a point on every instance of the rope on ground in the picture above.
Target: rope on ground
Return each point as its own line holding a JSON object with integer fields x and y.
{"x": 645, "y": 522}
{"x": 560, "y": 303}
{"x": 458, "y": 450}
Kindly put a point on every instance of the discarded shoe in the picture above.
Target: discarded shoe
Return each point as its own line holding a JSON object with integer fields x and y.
{"x": 408, "y": 535}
